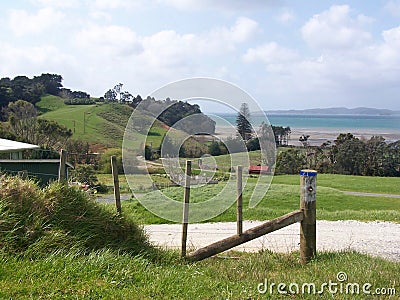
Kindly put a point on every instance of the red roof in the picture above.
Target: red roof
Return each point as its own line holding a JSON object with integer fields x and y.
{"x": 258, "y": 169}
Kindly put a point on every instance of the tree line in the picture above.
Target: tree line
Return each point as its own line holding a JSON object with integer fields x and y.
{"x": 185, "y": 116}
{"x": 347, "y": 155}
{"x": 32, "y": 89}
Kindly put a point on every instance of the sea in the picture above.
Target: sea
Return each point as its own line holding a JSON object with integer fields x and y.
{"x": 334, "y": 122}
{"x": 321, "y": 128}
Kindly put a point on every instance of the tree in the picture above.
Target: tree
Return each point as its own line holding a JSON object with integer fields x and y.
{"x": 148, "y": 153}
{"x": 304, "y": 140}
{"x": 49, "y": 134}
{"x": 349, "y": 155}
{"x": 281, "y": 135}
{"x": 214, "y": 149}
{"x": 110, "y": 96}
{"x": 26, "y": 127}
{"x": 51, "y": 82}
{"x": 118, "y": 91}
{"x": 84, "y": 174}
{"x": 253, "y": 144}
{"x": 125, "y": 96}
{"x": 290, "y": 162}
{"x": 243, "y": 125}
{"x": 22, "y": 119}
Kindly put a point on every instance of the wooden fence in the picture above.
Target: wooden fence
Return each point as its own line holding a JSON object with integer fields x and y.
{"x": 306, "y": 215}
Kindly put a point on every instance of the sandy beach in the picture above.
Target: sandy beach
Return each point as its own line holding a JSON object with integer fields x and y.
{"x": 321, "y": 135}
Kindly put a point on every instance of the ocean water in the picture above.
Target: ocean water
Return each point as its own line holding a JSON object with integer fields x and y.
{"x": 391, "y": 122}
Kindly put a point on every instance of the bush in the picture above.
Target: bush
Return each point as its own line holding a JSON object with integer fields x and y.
{"x": 84, "y": 174}
{"x": 105, "y": 161}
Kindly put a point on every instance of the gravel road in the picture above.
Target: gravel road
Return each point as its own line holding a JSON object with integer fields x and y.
{"x": 375, "y": 238}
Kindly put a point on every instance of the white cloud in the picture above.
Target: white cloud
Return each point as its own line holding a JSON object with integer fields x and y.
{"x": 286, "y": 17}
{"x": 223, "y": 38}
{"x": 21, "y": 22}
{"x": 238, "y": 5}
{"x": 109, "y": 40}
{"x": 33, "y": 60}
{"x": 114, "y": 4}
{"x": 393, "y": 7}
{"x": 270, "y": 53}
{"x": 166, "y": 47}
{"x": 57, "y": 3}
{"x": 335, "y": 28}
{"x": 392, "y": 37}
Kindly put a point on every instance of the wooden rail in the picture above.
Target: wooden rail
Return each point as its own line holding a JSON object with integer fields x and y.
{"x": 248, "y": 235}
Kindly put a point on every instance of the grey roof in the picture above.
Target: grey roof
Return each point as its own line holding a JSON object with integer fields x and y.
{"x": 13, "y": 146}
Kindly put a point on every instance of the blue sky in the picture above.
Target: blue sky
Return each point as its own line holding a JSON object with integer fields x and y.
{"x": 286, "y": 54}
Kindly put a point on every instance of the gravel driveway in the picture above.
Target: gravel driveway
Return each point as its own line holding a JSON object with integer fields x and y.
{"x": 375, "y": 238}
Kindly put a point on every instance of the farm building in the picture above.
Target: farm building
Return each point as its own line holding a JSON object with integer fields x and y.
{"x": 44, "y": 170}
{"x": 14, "y": 149}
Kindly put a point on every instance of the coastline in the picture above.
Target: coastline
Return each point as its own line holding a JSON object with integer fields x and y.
{"x": 319, "y": 135}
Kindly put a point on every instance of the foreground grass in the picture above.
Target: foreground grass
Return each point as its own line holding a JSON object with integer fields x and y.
{"x": 108, "y": 275}
{"x": 56, "y": 243}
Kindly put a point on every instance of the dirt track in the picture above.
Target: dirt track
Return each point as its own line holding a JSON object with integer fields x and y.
{"x": 375, "y": 238}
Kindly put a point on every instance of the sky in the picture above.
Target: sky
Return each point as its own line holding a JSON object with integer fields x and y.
{"x": 285, "y": 54}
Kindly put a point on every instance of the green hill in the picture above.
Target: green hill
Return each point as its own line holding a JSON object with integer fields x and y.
{"x": 100, "y": 123}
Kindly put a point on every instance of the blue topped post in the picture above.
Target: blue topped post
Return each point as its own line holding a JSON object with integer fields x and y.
{"x": 308, "y": 192}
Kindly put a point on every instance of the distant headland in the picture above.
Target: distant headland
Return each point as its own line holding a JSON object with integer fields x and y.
{"x": 337, "y": 111}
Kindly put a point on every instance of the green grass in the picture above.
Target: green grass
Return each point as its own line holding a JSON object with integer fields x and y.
{"x": 109, "y": 275}
{"x": 50, "y": 103}
{"x": 367, "y": 184}
{"x": 100, "y": 123}
{"x": 284, "y": 194}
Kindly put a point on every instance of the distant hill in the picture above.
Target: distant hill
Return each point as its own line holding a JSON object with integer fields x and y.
{"x": 337, "y": 111}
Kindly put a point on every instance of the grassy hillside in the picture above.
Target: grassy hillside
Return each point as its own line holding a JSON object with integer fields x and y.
{"x": 99, "y": 123}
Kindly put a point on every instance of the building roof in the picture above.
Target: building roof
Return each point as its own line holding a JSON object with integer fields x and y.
{"x": 258, "y": 169}
{"x": 13, "y": 146}
{"x": 34, "y": 161}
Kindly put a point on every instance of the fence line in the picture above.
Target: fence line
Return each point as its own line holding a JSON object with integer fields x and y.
{"x": 306, "y": 215}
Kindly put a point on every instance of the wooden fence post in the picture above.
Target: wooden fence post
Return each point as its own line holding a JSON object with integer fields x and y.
{"x": 117, "y": 196}
{"x": 308, "y": 189}
{"x": 185, "y": 218}
{"x": 62, "y": 168}
{"x": 239, "y": 201}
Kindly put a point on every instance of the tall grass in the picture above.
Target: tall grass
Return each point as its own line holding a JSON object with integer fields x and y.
{"x": 38, "y": 221}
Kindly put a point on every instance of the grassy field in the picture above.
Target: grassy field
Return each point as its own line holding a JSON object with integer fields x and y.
{"x": 99, "y": 123}
{"x": 283, "y": 197}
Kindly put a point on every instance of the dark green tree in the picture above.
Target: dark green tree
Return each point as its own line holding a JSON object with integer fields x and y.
{"x": 349, "y": 155}
{"x": 243, "y": 124}
{"x": 290, "y": 162}
{"x": 214, "y": 149}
